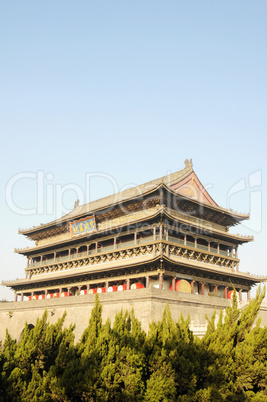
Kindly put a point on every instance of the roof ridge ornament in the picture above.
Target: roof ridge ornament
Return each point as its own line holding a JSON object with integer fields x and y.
{"x": 188, "y": 164}
{"x": 76, "y": 204}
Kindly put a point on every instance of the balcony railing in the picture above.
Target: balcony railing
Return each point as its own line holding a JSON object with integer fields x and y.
{"x": 131, "y": 243}
{"x": 103, "y": 249}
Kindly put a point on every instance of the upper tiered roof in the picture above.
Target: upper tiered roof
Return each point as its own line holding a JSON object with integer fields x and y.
{"x": 186, "y": 190}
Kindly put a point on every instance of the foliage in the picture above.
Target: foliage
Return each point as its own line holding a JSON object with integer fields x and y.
{"x": 120, "y": 362}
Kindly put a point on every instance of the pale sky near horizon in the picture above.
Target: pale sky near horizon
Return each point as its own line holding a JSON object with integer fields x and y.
{"x": 118, "y": 93}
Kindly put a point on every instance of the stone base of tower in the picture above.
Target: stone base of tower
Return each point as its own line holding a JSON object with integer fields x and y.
{"x": 148, "y": 305}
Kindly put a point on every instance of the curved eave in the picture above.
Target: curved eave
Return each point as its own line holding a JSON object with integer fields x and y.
{"x": 123, "y": 196}
{"x": 79, "y": 238}
{"x": 225, "y": 235}
{"x": 237, "y": 217}
{"x": 79, "y": 273}
{"x": 220, "y": 271}
{"x": 72, "y": 241}
{"x": 75, "y": 273}
{"x": 69, "y": 217}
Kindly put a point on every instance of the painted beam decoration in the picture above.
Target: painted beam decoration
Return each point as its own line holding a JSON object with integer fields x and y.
{"x": 82, "y": 226}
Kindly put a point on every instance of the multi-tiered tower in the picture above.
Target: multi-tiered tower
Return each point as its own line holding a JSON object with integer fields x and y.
{"x": 165, "y": 235}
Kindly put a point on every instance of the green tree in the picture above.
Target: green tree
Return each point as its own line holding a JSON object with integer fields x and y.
{"x": 171, "y": 348}
{"x": 33, "y": 357}
{"x": 161, "y": 385}
{"x": 123, "y": 366}
{"x": 122, "y": 363}
{"x": 233, "y": 367}
{"x": 2, "y": 386}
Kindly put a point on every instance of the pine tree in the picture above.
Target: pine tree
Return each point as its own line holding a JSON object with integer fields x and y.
{"x": 161, "y": 385}
{"x": 123, "y": 367}
{"x": 33, "y": 357}
{"x": 122, "y": 363}
{"x": 81, "y": 374}
{"x": 171, "y": 346}
{"x": 9, "y": 367}
{"x": 2, "y": 386}
{"x": 232, "y": 346}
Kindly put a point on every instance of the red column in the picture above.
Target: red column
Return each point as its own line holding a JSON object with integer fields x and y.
{"x": 173, "y": 283}
{"x": 192, "y": 286}
{"x": 225, "y": 292}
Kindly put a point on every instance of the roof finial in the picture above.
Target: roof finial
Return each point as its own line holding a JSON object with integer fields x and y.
{"x": 188, "y": 164}
{"x": 76, "y": 204}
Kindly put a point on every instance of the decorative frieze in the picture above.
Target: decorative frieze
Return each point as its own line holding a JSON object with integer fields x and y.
{"x": 182, "y": 251}
{"x": 154, "y": 248}
{"x": 132, "y": 252}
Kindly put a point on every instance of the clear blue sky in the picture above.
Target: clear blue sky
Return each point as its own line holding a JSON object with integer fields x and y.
{"x": 130, "y": 90}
